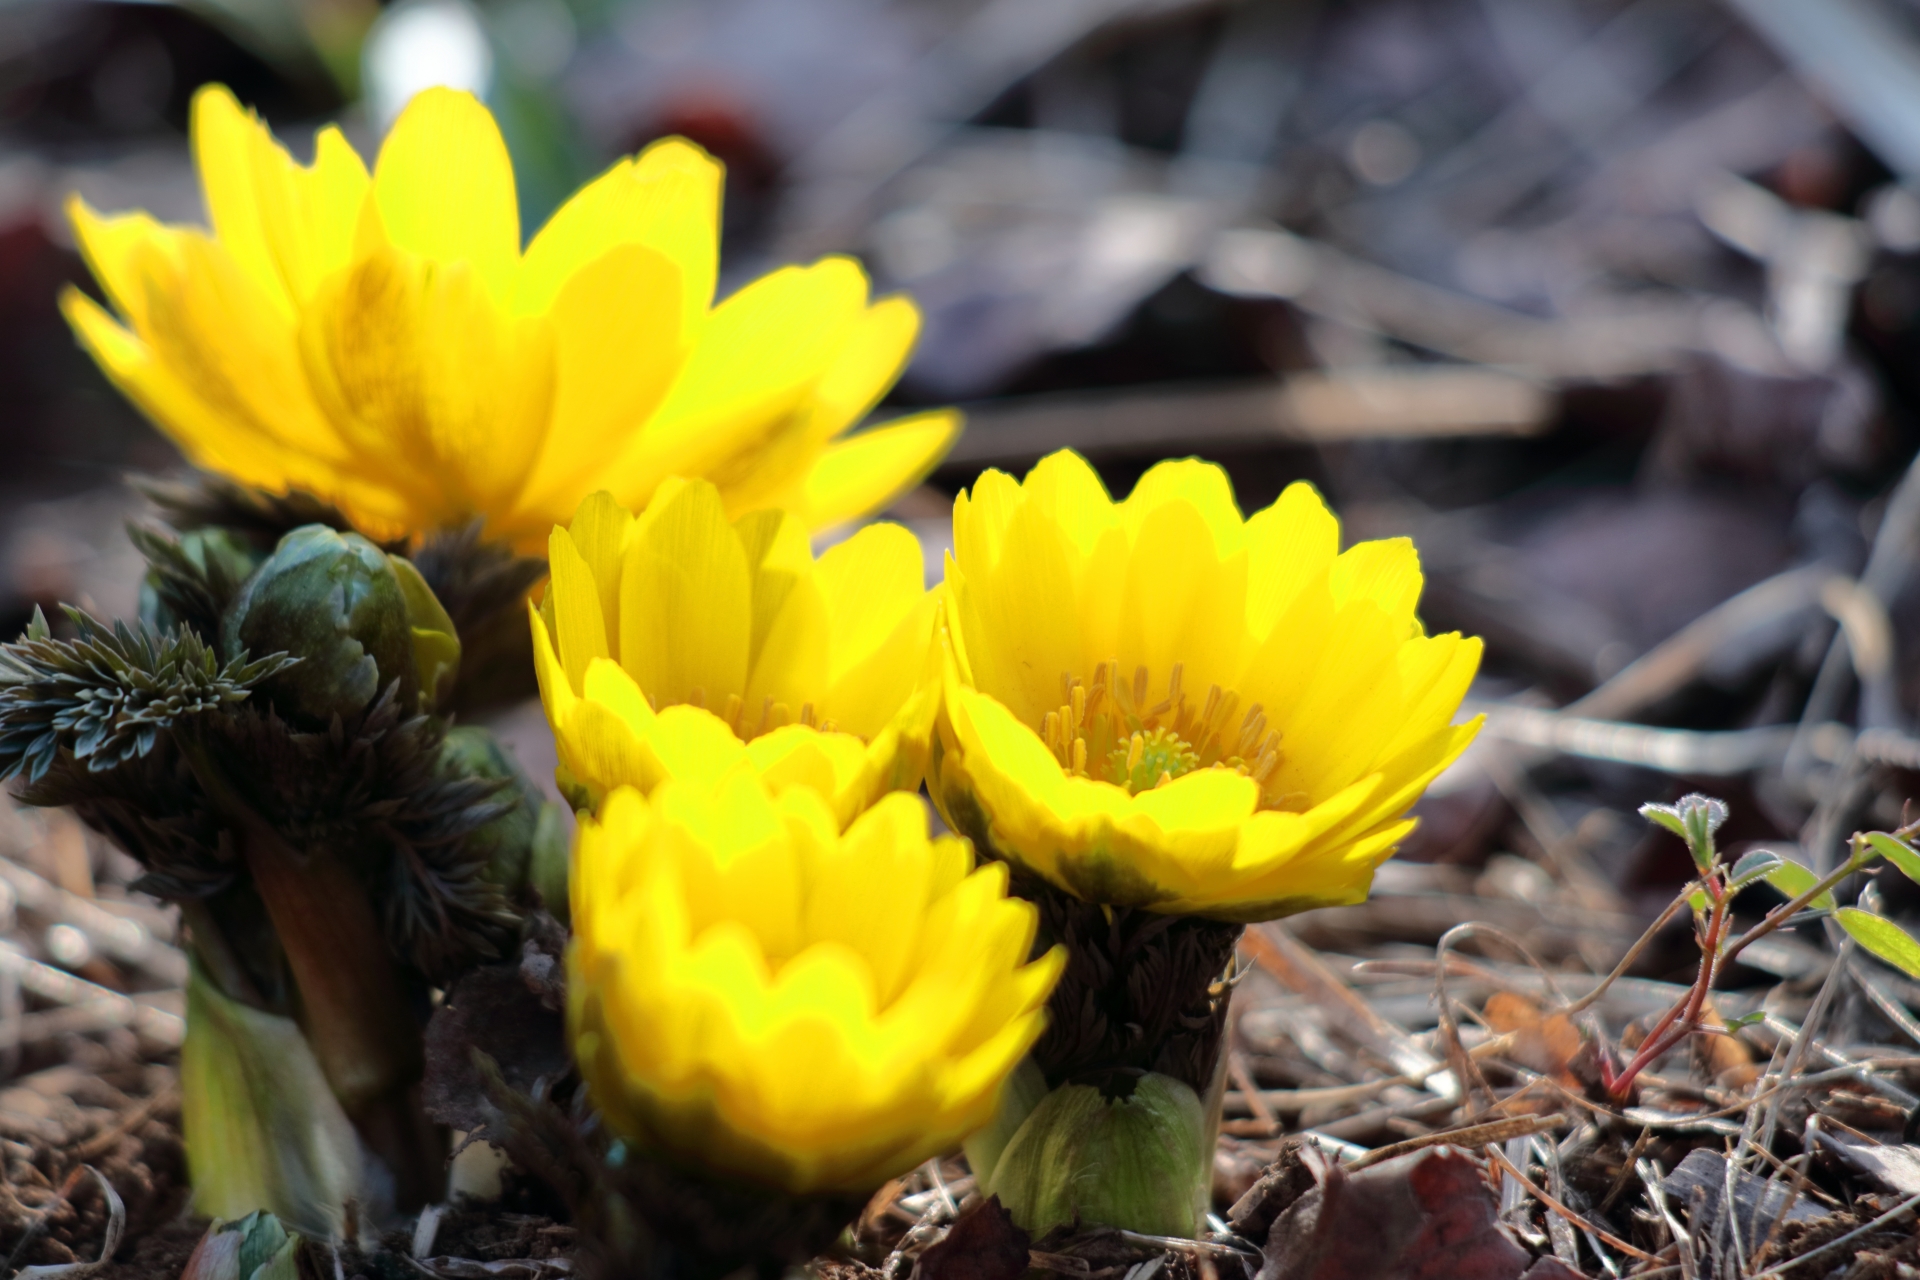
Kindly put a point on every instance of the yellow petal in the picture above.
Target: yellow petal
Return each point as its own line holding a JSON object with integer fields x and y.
{"x": 666, "y": 200}
{"x": 448, "y": 397}
{"x": 862, "y": 473}
{"x": 110, "y": 246}
{"x": 869, "y": 361}
{"x": 599, "y": 533}
{"x": 686, "y": 565}
{"x": 207, "y": 436}
{"x": 778, "y": 553}
{"x": 310, "y": 214}
{"x": 617, "y": 347}
{"x": 790, "y": 670}
{"x": 871, "y": 581}
{"x": 692, "y": 745}
{"x": 758, "y": 354}
{"x": 443, "y": 189}
{"x": 1289, "y": 544}
{"x": 579, "y": 622}
{"x": 1386, "y": 572}
{"x": 830, "y": 765}
{"x": 224, "y": 139}
{"x": 1201, "y": 485}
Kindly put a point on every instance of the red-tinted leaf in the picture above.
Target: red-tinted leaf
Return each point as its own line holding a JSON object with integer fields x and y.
{"x": 983, "y": 1244}
{"x": 1424, "y": 1216}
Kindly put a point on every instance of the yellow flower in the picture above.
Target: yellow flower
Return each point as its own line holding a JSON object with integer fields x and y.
{"x": 754, "y": 992}
{"x": 677, "y": 644}
{"x": 384, "y": 342}
{"x": 1157, "y": 703}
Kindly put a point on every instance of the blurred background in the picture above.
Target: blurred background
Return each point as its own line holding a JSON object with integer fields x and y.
{"x": 1613, "y": 306}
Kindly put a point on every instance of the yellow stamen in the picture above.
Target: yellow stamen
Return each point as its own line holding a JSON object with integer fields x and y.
{"x": 1145, "y": 746}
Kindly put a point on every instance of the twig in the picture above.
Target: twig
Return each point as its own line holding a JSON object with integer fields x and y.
{"x": 109, "y": 1245}
{"x": 1657, "y": 1193}
{"x": 1626, "y": 1169}
{"x": 100, "y": 1142}
{"x": 1495, "y": 1154}
{"x": 1471, "y": 1136}
{"x": 1243, "y": 1080}
{"x": 1633, "y": 954}
{"x": 1298, "y": 1100}
{"x": 1719, "y": 753}
{"x": 1802, "y": 1042}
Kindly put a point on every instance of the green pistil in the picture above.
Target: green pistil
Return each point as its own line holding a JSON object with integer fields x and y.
{"x": 1139, "y": 763}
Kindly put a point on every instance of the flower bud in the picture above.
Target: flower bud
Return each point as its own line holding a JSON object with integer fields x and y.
{"x": 436, "y": 644}
{"x": 334, "y": 601}
{"x": 521, "y": 845}
{"x": 256, "y": 1247}
{"x": 1141, "y": 1162}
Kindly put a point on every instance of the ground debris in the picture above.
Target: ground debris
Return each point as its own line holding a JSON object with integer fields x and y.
{"x": 982, "y": 1244}
{"x": 1699, "y": 1185}
{"x": 1426, "y": 1216}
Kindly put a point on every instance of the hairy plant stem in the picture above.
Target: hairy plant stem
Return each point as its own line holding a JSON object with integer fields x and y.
{"x": 1142, "y": 992}
{"x": 353, "y": 1007}
{"x": 352, "y": 1002}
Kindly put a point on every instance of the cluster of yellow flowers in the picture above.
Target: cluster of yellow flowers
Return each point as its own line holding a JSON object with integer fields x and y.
{"x": 1153, "y": 703}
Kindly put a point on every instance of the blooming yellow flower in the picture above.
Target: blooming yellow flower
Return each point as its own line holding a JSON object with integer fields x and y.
{"x": 383, "y": 341}
{"x": 756, "y": 993}
{"x": 678, "y": 644}
{"x": 1157, "y": 703}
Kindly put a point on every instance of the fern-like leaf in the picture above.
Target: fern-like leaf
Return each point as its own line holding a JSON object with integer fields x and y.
{"x": 108, "y": 694}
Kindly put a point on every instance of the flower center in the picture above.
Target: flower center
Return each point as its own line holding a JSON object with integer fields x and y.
{"x": 1140, "y": 742}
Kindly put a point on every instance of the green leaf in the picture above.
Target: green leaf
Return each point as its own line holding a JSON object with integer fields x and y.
{"x": 1753, "y": 1019}
{"x": 1665, "y": 816}
{"x": 109, "y": 693}
{"x": 1024, "y": 1090}
{"x": 283, "y": 1265}
{"x": 263, "y": 1128}
{"x": 1898, "y": 852}
{"x": 1793, "y": 880}
{"x": 1141, "y": 1162}
{"x": 1882, "y": 937}
{"x": 1754, "y": 865}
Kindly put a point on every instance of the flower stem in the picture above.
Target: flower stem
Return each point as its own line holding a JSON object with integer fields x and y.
{"x": 352, "y": 1003}
{"x": 353, "y": 1006}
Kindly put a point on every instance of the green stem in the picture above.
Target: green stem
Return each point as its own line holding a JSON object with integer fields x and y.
{"x": 1784, "y": 914}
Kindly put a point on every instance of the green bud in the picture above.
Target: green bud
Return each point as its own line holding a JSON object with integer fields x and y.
{"x": 256, "y": 1247}
{"x": 547, "y": 871}
{"x": 436, "y": 644}
{"x": 334, "y": 601}
{"x": 512, "y": 840}
{"x": 1141, "y": 1163}
{"x": 1694, "y": 818}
